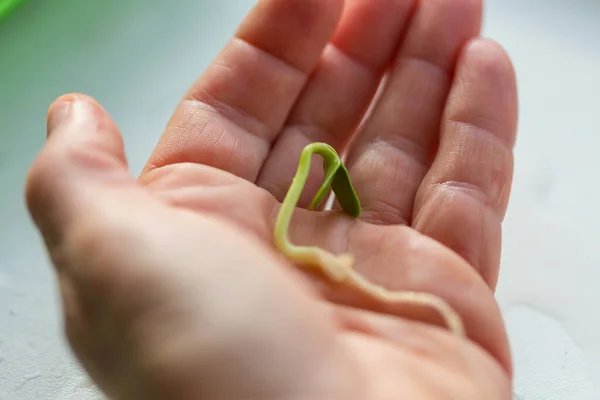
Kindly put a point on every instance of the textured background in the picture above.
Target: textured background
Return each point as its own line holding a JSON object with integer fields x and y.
{"x": 137, "y": 57}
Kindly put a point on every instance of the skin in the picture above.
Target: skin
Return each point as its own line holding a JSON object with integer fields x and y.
{"x": 171, "y": 284}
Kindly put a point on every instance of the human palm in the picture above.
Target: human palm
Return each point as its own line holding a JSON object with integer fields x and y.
{"x": 171, "y": 283}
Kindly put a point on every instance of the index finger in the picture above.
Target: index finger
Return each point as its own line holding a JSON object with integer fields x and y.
{"x": 234, "y": 111}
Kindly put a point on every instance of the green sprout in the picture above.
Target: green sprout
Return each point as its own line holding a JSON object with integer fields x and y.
{"x": 338, "y": 268}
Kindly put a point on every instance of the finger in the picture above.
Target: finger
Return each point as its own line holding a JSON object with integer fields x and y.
{"x": 82, "y": 163}
{"x": 340, "y": 89}
{"x": 464, "y": 197}
{"x": 230, "y": 116}
{"x": 393, "y": 151}
{"x": 84, "y": 149}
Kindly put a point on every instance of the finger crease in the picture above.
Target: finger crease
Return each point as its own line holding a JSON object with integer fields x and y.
{"x": 293, "y": 68}
{"x": 499, "y": 139}
{"x": 248, "y": 123}
{"x": 427, "y": 63}
{"x": 405, "y": 147}
{"x": 381, "y": 212}
{"x": 371, "y": 69}
{"x": 474, "y": 191}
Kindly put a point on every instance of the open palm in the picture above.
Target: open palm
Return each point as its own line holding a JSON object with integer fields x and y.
{"x": 431, "y": 161}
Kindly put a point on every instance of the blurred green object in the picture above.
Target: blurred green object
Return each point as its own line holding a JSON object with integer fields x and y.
{"x": 6, "y": 6}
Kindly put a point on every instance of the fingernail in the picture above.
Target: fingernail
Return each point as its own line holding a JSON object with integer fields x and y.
{"x": 58, "y": 112}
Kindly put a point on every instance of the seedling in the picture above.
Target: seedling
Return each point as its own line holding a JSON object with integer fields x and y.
{"x": 338, "y": 268}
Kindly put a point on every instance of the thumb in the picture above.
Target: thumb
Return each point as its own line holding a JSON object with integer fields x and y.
{"x": 83, "y": 158}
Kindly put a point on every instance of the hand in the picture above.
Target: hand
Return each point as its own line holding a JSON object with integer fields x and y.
{"x": 170, "y": 284}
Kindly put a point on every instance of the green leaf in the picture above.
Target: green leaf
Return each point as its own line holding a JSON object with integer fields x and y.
{"x": 344, "y": 191}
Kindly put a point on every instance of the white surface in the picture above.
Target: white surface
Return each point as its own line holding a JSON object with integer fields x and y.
{"x": 139, "y": 61}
